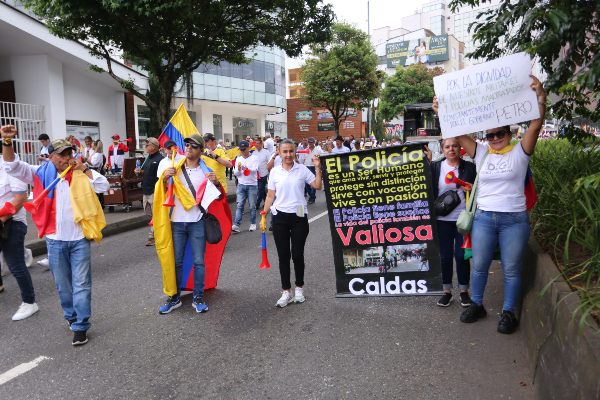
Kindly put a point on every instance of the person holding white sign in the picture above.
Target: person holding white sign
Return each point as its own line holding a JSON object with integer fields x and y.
{"x": 501, "y": 217}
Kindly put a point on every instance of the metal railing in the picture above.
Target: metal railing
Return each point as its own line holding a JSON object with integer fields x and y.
{"x": 30, "y": 122}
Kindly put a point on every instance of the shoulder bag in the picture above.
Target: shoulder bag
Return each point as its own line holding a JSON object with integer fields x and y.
{"x": 212, "y": 227}
{"x": 446, "y": 203}
{"x": 465, "y": 219}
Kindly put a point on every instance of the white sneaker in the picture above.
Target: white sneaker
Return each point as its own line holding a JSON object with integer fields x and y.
{"x": 28, "y": 257}
{"x": 44, "y": 263}
{"x": 299, "y": 296}
{"x": 25, "y": 310}
{"x": 285, "y": 299}
{"x": 235, "y": 229}
{"x": 252, "y": 227}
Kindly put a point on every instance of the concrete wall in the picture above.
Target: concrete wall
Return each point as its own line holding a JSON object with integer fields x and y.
{"x": 564, "y": 363}
{"x": 88, "y": 100}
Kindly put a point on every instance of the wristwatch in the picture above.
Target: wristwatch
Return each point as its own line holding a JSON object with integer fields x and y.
{"x": 86, "y": 170}
{"x": 217, "y": 157}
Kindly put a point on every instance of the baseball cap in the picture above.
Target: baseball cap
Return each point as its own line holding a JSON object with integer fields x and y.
{"x": 153, "y": 141}
{"x": 196, "y": 138}
{"x": 60, "y": 145}
{"x": 209, "y": 136}
{"x": 244, "y": 145}
{"x": 169, "y": 144}
{"x": 311, "y": 140}
{"x": 117, "y": 137}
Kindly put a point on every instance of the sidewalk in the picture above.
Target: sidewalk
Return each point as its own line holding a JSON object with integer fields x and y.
{"x": 116, "y": 222}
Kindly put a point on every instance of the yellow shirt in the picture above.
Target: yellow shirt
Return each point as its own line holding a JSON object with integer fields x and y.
{"x": 217, "y": 167}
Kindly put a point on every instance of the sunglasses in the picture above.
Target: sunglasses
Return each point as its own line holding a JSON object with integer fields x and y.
{"x": 499, "y": 135}
{"x": 192, "y": 145}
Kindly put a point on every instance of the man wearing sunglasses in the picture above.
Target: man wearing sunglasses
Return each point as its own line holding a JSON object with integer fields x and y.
{"x": 187, "y": 225}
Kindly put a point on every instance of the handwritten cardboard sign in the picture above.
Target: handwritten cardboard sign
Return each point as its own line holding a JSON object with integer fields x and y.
{"x": 485, "y": 96}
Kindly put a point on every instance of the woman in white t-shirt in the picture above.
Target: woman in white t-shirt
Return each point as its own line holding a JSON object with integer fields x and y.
{"x": 450, "y": 239}
{"x": 501, "y": 217}
{"x": 290, "y": 219}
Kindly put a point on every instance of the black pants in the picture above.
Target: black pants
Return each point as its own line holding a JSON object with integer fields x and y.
{"x": 290, "y": 228}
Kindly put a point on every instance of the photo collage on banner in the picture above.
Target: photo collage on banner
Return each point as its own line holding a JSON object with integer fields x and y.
{"x": 382, "y": 221}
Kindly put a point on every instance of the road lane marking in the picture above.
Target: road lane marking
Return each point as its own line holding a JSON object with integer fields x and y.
{"x": 21, "y": 369}
{"x": 316, "y": 217}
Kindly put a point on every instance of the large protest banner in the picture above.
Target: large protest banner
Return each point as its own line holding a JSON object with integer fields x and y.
{"x": 485, "y": 96}
{"x": 383, "y": 226}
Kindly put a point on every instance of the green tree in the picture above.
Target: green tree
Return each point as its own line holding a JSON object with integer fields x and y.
{"x": 341, "y": 73}
{"x": 172, "y": 38}
{"x": 563, "y": 34}
{"x": 378, "y": 131}
{"x": 410, "y": 85}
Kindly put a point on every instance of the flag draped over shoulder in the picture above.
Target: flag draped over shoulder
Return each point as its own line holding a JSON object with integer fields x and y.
{"x": 86, "y": 208}
{"x": 179, "y": 128}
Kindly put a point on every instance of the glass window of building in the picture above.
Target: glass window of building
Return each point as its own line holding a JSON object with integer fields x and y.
{"x": 237, "y": 71}
{"x": 243, "y": 127}
{"x": 224, "y": 69}
{"x": 259, "y": 71}
{"x": 248, "y": 71}
{"x": 217, "y": 126}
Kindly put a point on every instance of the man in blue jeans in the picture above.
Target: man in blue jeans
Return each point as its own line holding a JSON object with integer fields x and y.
{"x": 246, "y": 171}
{"x": 14, "y": 191}
{"x": 68, "y": 247}
{"x": 263, "y": 156}
{"x": 187, "y": 225}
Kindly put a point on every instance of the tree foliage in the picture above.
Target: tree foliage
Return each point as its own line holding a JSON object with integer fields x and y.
{"x": 563, "y": 34}
{"x": 410, "y": 85}
{"x": 341, "y": 73}
{"x": 171, "y": 38}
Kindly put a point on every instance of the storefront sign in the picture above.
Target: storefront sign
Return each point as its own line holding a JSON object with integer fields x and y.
{"x": 488, "y": 95}
{"x": 424, "y": 50}
{"x": 303, "y": 115}
{"x": 303, "y": 127}
{"x": 324, "y": 114}
{"x": 325, "y": 126}
{"x": 348, "y": 125}
{"x": 382, "y": 222}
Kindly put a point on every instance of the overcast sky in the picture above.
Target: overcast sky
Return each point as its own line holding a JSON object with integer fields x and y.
{"x": 382, "y": 13}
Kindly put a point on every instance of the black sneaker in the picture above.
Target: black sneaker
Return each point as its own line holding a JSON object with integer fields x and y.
{"x": 473, "y": 313}
{"x": 445, "y": 300}
{"x": 465, "y": 299}
{"x": 508, "y": 323}
{"x": 80, "y": 338}
{"x": 71, "y": 322}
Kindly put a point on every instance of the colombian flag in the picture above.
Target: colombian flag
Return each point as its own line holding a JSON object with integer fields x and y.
{"x": 179, "y": 128}
{"x": 45, "y": 219}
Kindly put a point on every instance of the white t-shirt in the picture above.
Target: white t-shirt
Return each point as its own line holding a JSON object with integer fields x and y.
{"x": 289, "y": 188}
{"x": 263, "y": 159}
{"x": 445, "y": 168}
{"x": 166, "y": 163}
{"x": 211, "y": 193}
{"x": 251, "y": 162}
{"x": 44, "y": 152}
{"x": 96, "y": 160}
{"x": 344, "y": 149}
{"x": 270, "y": 145}
{"x": 10, "y": 186}
{"x": 502, "y": 180}
{"x": 307, "y": 159}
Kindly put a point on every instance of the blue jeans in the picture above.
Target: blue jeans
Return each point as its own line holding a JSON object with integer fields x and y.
{"x": 511, "y": 232}
{"x": 312, "y": 192}
{"x": 116, "y": 170}
{"x": 14, "y": 252}
{"x": 451, "y": 248}
{"x": 71, "y": 267}
{"x": 244, "y": 192}
{"x": 262, "y": 189}
{"x": 194, "y": 232}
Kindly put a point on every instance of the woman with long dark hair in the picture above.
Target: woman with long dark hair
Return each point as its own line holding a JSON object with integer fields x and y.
{"x": 290, "y": 216}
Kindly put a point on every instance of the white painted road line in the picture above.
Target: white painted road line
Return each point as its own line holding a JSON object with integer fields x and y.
{"x": 21, "y": 369}
{"x": 316, "y": 217}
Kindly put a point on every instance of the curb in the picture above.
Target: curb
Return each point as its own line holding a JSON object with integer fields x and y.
{"x": 38, "y": 246}
{"x": 563, "y": 362}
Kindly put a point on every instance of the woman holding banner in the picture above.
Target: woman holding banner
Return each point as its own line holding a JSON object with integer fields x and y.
{"x": 501, "y": 217}
{"x": 450, "y": 240}
{"x": 286, "y": 202}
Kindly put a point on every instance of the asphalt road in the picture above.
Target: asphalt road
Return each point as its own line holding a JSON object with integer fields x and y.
{"x": 245, "y": 347}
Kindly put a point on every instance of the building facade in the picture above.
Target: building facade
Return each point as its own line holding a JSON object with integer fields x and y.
{"x": 47, "y": 86}
{"x": 233, "y": 101}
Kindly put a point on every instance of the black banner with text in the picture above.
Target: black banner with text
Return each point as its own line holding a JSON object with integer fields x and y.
{"x": 382, "y": 221}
